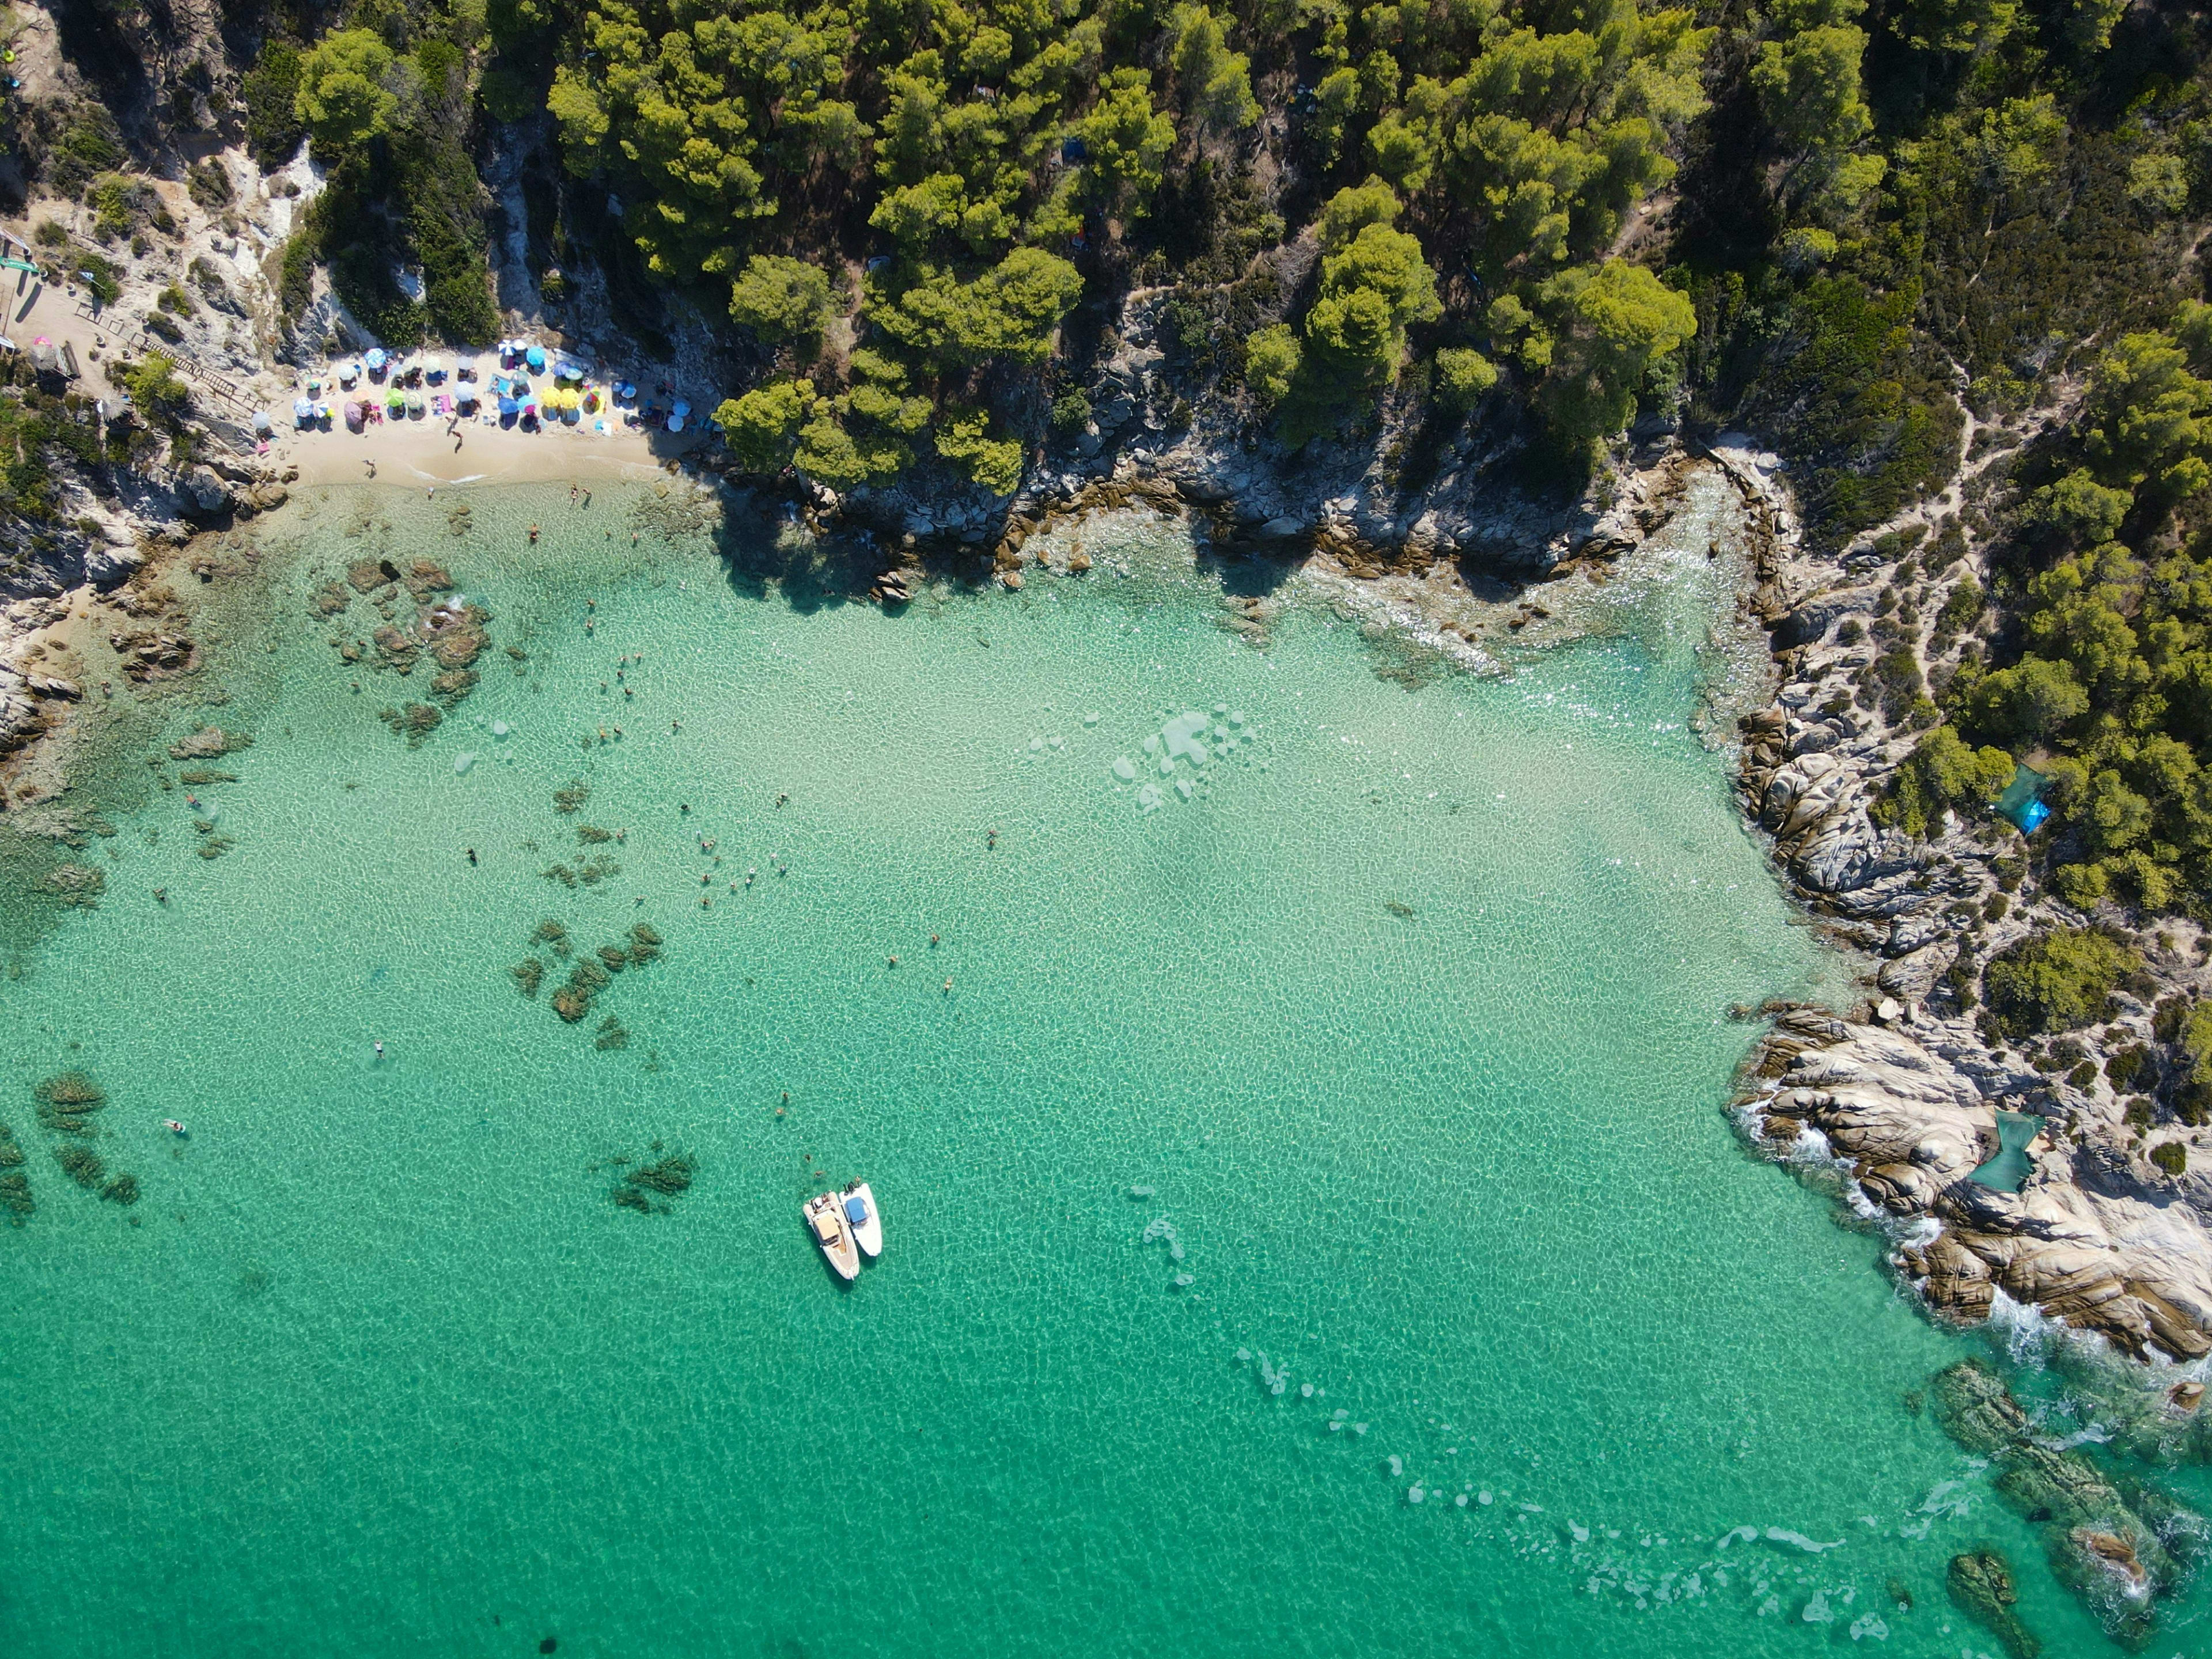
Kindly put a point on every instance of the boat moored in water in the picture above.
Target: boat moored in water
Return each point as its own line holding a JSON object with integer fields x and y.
{"x": 825, "y": 1218}
{"x": 863, "y": 1220}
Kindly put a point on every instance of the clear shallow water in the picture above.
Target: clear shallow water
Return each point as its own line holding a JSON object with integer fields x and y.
{"x": 382, "y": 1371}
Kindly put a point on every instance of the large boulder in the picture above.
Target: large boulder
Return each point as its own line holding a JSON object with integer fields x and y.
{"x": 202, "y": 495}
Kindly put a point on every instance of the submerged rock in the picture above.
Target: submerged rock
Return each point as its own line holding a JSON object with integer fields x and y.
{"x": 66, "y": 1103}
{"x": 2112, "y": 1540}
{"x": 209, "y": 742}
{"x": 368, "y": 574}
{"x": 416, "y": 722}
{"x": 669, "y": 1177}
{"x": 77, "y": 885}
{"x": 1981, "y": 1582}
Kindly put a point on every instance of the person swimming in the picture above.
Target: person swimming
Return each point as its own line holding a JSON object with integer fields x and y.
{"x": 380, "y": 1049}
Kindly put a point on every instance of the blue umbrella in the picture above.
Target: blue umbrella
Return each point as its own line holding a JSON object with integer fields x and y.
{"x": 375, "y": 359}
{"x": 509, "y": 406}
{"x": 535, "y": 358}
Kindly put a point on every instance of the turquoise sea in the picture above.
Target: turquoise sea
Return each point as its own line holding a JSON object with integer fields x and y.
{"x": 1389, "y": 1066}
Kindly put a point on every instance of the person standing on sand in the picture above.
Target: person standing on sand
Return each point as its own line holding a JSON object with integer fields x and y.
{"x": 371, "y": 466}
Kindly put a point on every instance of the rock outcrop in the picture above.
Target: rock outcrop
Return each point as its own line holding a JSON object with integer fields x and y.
{"x": 1908, "y": 1129}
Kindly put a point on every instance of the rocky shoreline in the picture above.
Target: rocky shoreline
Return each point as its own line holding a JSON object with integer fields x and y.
{"x": 2099, "y": 1236}
{"x": 1900, "y": 1099}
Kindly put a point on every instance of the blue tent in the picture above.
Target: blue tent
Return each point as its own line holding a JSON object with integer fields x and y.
{"x": 2022, "y": 804}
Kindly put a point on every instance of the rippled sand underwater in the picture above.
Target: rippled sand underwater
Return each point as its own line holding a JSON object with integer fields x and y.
{"x": 1311, "y": 1225}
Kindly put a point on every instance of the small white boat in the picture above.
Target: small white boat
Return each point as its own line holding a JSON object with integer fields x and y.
{"x": 825, "y": 1217}
{"x": 861, "y": 1218}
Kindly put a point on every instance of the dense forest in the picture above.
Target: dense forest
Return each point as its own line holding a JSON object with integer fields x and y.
{"x": 1828, "y": 219}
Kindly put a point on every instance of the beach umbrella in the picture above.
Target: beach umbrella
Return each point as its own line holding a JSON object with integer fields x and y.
{"x": 376, "y": 359}
{"x": 535, "y": 356}
{"x": 676, "y": 423}
{"x": 261, "y": 423}
{"x": 434, "y": 367}
{"x": 314, "y": 388}
{"x": 627, "y": 389}
{"x": 397, "y": 402}
{"x": 356, "y": 416}
{"x": 303, "y": 410}
{"x": 465, "y": 396}
{"x": 414, "y": 405}
{"x": 509, "y": 405}
{"x": 681, "y": 410}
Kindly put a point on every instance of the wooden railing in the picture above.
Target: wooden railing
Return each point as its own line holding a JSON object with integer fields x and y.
{"x": 220, "y": 388}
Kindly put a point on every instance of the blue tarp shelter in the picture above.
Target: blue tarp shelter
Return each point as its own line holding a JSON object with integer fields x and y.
{"x": 2022, "y": 804}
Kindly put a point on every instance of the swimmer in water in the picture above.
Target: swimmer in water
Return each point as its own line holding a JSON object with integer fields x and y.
{"x": 948, "y": 986}
{"x": 473, "y": 854}
{"x": 380, "y": 1049}
{"x": 933, "y": 941}
{"x": 533, "y": 535}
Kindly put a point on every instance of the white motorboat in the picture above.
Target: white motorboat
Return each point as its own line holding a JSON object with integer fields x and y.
{"x": 861, "y": 1218}
{"x": 825, "y": 1217}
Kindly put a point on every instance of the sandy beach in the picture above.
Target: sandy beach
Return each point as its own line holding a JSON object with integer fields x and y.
{"x": 404, "y": 451}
